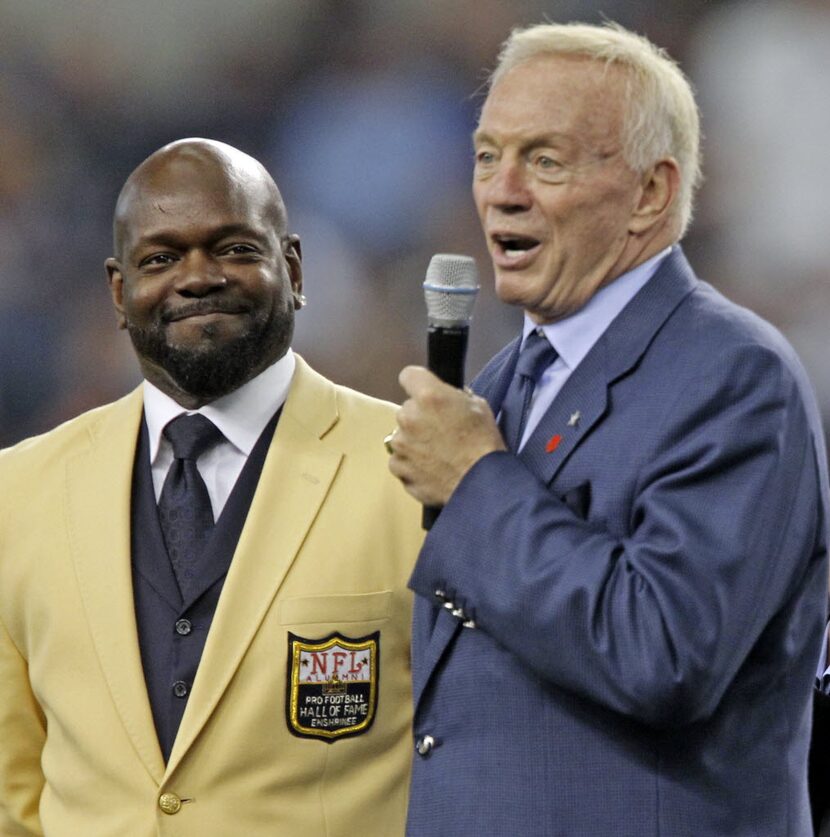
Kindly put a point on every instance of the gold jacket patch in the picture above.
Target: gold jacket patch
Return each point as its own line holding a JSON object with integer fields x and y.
{"x": 332, "y": 685}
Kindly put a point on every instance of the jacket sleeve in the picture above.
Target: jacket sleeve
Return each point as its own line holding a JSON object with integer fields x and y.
{"x": 725, "y": 526}
{"x": 22, "y": 735}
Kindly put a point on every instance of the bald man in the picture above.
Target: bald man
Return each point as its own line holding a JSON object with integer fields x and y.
{"x": 204, "y": 620}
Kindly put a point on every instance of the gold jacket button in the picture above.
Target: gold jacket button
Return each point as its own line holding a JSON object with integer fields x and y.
{"x": 170, "y": 803}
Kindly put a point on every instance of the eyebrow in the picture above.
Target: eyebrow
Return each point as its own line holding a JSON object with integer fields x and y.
{"x": 170, "y": 238}
{"x": 535, "y": 141}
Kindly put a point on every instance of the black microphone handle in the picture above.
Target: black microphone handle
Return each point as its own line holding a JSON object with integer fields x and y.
{"x": 446, "y": 353}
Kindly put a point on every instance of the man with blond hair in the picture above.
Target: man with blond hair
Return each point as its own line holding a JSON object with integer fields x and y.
{"x": 619, "y": 608}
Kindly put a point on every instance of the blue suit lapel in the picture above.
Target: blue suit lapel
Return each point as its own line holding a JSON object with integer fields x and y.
{"x": 583, "y": 400}
{"x": 557, "y": 435}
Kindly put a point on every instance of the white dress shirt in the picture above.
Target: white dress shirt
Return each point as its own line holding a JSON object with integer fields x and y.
{"x": 240, "y": 415}
{"x": 576, "y": 335}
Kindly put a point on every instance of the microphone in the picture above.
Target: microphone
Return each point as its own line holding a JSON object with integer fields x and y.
{"x": 450, "y": 290}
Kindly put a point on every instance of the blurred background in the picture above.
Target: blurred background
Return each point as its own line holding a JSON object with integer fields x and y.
{"x": 362, "y": 110}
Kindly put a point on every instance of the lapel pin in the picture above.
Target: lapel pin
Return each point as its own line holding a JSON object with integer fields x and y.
{"x": 573, "y": 421}
{"x": 553, "y": 443}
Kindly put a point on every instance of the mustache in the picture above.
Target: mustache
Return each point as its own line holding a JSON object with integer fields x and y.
{"x": 203, "y": 306}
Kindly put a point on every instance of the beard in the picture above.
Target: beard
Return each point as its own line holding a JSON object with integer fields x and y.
{"x": 213, "y": 369}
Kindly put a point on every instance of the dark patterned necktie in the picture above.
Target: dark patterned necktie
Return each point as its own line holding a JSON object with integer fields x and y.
{"x": 185, "y": 513}
{"x": 536, "y": 355}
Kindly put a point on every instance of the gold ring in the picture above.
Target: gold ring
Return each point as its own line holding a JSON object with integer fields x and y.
{"x": 387, "y": 442}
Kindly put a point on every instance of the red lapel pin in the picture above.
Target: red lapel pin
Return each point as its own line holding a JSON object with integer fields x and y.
{"x": 553, "y": 443}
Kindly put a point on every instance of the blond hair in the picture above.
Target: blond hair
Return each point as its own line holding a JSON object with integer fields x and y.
{"x": 661, "y": 117}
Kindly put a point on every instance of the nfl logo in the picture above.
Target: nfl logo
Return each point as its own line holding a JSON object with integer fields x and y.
{"x": 332, "y": 685}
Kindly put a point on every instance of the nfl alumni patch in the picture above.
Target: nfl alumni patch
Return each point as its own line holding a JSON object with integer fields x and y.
{"x": 332, "y": 685}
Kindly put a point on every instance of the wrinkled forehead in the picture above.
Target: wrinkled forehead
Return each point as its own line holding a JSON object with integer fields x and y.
{"x": 573, "y": 95}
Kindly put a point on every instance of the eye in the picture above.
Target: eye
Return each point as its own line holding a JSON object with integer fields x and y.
{"x": 240, "y": 249}
{"x": 483, "y": 157}
{"x": 486, "y": 161}
{"x": 157, "y": 260}
{"x": 545, "y": 162}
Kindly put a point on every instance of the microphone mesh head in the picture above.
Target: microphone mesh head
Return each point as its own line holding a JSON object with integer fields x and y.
{"x": 450, "y": 289}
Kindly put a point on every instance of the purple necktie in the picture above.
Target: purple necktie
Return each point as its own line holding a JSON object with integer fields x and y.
{"x": 185, "y": 513}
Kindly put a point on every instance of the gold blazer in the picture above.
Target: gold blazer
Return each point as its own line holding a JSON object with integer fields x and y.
{"x": 320, "y": 570}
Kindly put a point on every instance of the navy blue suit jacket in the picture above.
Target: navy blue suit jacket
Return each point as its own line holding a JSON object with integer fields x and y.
{"x": 648, "y": 585}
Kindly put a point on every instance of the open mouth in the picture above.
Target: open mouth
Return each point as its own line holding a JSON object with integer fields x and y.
{"x": 514, "y": 247}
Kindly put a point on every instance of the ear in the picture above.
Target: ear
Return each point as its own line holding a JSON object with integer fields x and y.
{"x": 293, "y": 255}
{"x": 116, "y": 282}
{"x": 660, "y": 186}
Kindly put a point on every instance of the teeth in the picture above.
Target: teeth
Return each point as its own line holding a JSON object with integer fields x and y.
{"x": 514, "y": 254}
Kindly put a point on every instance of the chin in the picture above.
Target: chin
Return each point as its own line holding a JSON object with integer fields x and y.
{"x": 202, "y": 336}
{"x": 512, "y": 292}
{"x": 216, "y": 363}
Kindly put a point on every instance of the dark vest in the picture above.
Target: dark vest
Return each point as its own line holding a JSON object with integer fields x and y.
{"x": 171, "y": 630}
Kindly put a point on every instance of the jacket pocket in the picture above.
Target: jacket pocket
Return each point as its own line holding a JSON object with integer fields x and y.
{"x": 348, "y": 607}
{"x": 578, "y": 500}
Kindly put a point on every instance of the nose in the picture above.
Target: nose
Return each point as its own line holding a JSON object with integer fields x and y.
{"x": 199, "y": 274}
{"x": 507, "y": 188}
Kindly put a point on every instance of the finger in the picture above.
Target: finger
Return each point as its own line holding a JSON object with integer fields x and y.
{"x": 408, "y": 415}
{"x": 400, "y": 468}
{"x": 415, "y": 379}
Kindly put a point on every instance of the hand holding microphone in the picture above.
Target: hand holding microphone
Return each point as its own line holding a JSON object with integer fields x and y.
{"x": 442, "y": 430}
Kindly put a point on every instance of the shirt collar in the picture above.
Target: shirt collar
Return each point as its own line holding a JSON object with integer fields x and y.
{"x": 576, "y": 335}
{"x": 241, "y": 415}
